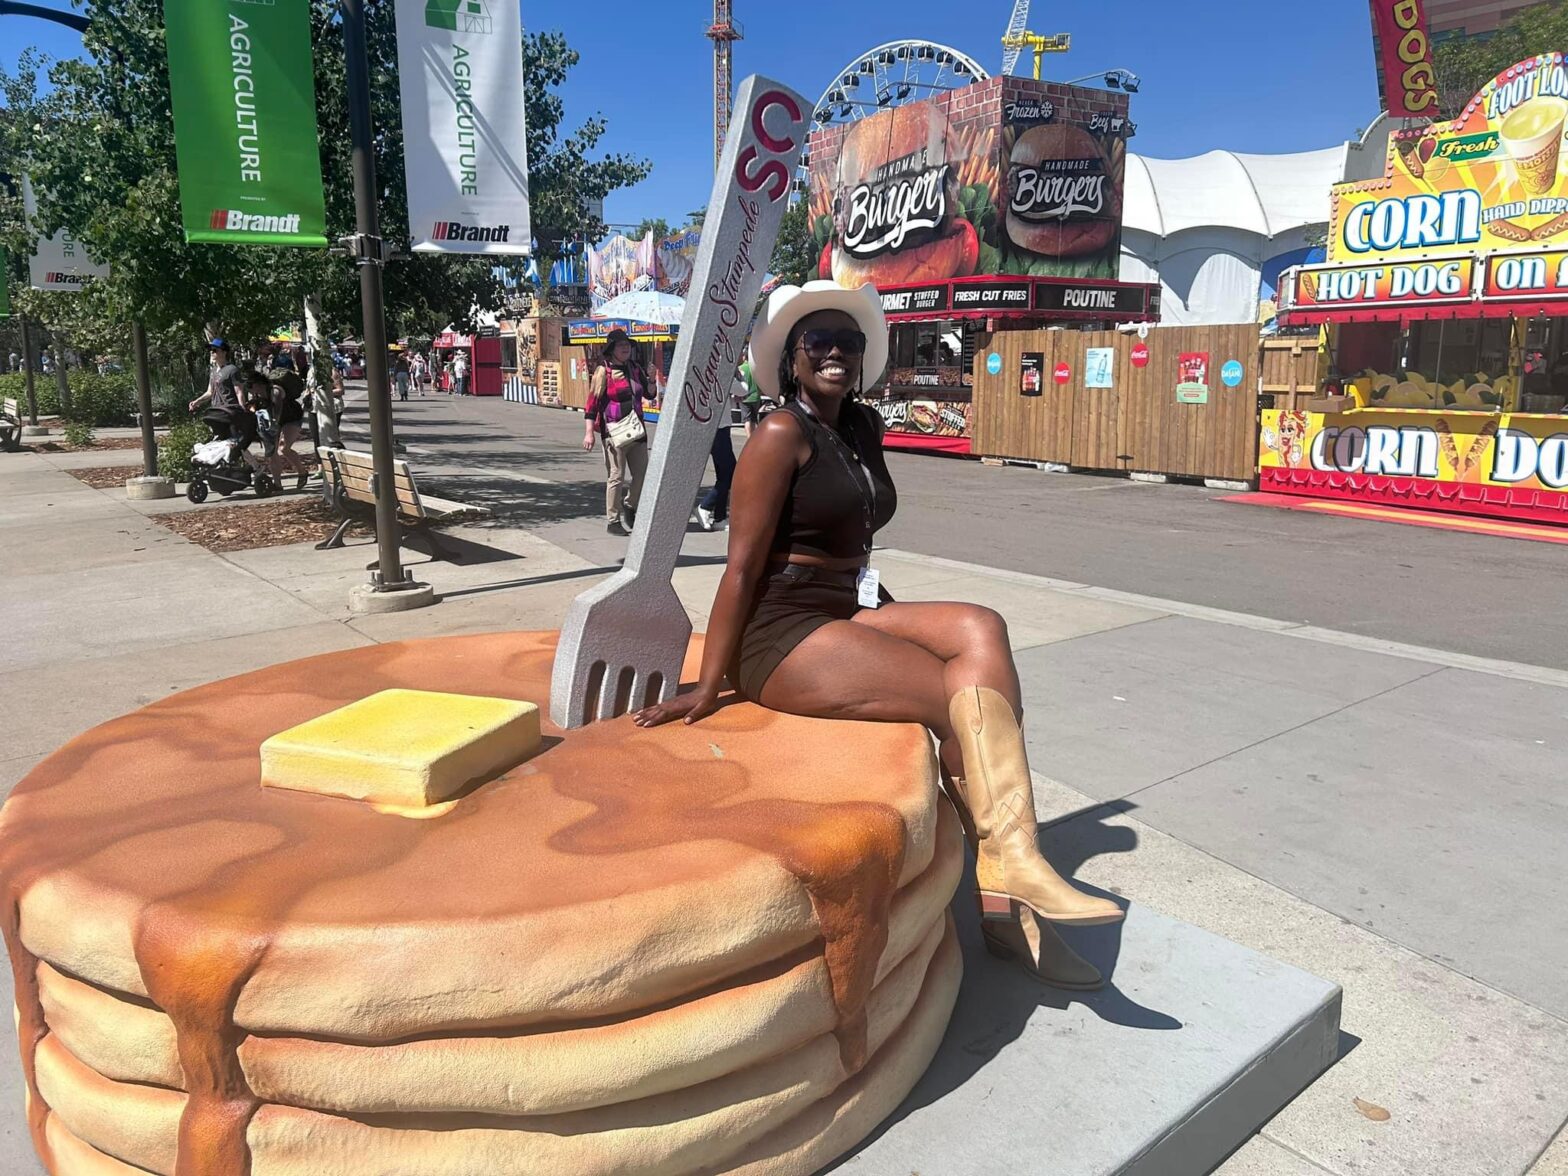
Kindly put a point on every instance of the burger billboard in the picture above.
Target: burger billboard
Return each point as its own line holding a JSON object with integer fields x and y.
{"x": 1008, "y": 176}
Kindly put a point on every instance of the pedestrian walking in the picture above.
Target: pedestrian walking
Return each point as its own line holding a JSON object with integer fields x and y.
{"x": 714, "y": 509}
{"x": 400, "y": 374}
{"x": 751, "y": 406}
{"x": 460, "y": 373}
{"x": 614, "y": 414}
{"x": 286, "y": 393}
{"x": 224, "y": 418}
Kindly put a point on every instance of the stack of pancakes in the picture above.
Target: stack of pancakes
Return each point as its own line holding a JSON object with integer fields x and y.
{"x": 714, "y": 948}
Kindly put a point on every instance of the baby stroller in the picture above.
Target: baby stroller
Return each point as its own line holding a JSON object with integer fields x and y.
{"x": 220, "y": 464}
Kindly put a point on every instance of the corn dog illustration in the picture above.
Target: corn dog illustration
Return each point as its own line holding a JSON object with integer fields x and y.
{"x": 1445, "y": 436}
{"x": 1478, "y": 446}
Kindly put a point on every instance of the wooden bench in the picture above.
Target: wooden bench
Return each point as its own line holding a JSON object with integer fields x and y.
{"x": 350, "y": 487}
{"x": 10, "y": 425}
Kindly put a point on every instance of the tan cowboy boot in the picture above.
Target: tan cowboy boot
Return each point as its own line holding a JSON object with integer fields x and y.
{"x": 1033, "y": 944}
{"x": 1041, "y": 951}
{"x": 1008, "y": 865}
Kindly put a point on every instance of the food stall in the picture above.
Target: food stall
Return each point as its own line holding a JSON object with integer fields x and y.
{"x": 484, "y": 359}
{"x": 996, "y": 207}
{"x": 1444, "y": 316}
{"x": 582, "y": 345}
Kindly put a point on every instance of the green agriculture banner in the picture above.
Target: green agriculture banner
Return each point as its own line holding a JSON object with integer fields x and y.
{"x": 245, "y": 121}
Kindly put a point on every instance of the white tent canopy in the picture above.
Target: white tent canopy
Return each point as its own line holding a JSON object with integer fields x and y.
{"x": 1207, "y": 227}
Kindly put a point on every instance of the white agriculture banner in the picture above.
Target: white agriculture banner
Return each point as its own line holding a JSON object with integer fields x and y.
{"x": 460, "y": 66}
{"x": 61, "y": 261}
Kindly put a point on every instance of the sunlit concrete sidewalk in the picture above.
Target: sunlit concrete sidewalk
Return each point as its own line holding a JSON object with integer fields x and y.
{"x": 1386, "y": 818}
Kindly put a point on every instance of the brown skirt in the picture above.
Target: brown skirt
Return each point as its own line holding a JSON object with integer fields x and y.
{"x": 789, "y": 606}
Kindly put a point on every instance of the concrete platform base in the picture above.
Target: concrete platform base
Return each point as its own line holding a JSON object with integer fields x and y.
{"x": 143, "y": 489}
{"x": 367, "y": 599}
{"x": 35, "y": 430}
{"x": 1193, "y": 1046}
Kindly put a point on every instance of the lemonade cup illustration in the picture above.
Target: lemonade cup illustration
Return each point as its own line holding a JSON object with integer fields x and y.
{"x": 1533, "y": 137}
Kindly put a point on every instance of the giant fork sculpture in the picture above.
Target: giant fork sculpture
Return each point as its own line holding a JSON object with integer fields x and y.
{"x": 623, "y": 640}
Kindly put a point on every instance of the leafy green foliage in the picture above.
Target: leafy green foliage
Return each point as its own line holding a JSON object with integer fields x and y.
{"x": 100, "y": 147}
{"x": 564, "y": 177}
{"x": 101, "y": 400}
{"x": 796, "y": 253}
{"x": 657, "y": 225}
{"x": 78, "y": 433}
{"x": 96, "y": 400}
{"x": 14, "y": 387}
{"x": 1465, "y": 64}
{"x": 174, "y": 449}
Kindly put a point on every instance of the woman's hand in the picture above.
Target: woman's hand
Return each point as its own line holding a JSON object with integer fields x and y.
{"x": 587, "y": 442}
{"x": 698, "y": 704}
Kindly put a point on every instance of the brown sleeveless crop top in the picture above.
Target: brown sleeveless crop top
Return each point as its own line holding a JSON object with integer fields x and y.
{"x": 843, "y": 493}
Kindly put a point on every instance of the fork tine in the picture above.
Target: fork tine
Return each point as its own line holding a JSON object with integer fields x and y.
{"x": 607, "y": 694}
{"x": 623, "y": 690}
{"x": 592, "y": 691}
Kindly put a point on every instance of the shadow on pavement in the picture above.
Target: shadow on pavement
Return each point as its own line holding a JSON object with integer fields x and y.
{"x": 998, "y": 998}
{"x": 685, "y": 561}
{"x": 515, "y": 503}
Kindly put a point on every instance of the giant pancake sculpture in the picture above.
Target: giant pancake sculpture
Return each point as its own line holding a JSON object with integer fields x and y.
{"x": 715, "y": 948}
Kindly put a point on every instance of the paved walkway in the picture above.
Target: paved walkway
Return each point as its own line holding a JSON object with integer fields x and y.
{"x": 1391, "y": 819}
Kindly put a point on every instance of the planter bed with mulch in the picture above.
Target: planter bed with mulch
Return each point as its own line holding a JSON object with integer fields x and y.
{"x": 271, "y": 524}
{"x": 106, "y": 477}
{"x": 98, "y": 443}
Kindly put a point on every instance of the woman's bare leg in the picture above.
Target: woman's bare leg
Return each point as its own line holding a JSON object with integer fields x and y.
{"x": 970, "y": 640}
{"x": 971, "y": 643}
{"x": 850, "y": 671}
{"x": 854, "y": 670}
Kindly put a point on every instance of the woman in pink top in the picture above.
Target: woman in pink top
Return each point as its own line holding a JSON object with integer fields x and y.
{"x": 617, "y": 391}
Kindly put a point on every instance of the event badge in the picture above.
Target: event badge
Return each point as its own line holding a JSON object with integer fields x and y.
{"x": 867, "y": 582}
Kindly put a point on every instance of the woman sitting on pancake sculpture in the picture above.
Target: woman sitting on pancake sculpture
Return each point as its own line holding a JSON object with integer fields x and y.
{"x": 801, "y": 624}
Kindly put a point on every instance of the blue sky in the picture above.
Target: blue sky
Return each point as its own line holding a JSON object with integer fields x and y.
{"x": 1216, "y": 73}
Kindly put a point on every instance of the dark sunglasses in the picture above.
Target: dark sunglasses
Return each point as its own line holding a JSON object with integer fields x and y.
{"x": 820, "y": 343}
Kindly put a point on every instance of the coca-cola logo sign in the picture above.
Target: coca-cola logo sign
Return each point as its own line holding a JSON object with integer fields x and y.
{"x": 1055, "y": 189}
{"x": 904, "y": 204}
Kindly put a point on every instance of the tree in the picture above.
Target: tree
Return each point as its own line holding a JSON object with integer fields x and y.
{"x": 101, "y": 151}
{"x": 795, "y": 254}
{"x": 658, "y": 226}
{"x": 1465, "y": 64}
{"x": 695, "y": 217}
{"x": 564, "y": 182}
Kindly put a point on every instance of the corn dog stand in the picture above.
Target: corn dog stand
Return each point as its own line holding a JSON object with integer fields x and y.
{"x": 1444, "y": 316}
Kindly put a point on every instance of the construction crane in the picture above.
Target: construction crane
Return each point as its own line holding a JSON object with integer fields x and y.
{"x": 723, "y": 32}
{"x": 1015, "y": 29}
{"x": 1055, "y": 43}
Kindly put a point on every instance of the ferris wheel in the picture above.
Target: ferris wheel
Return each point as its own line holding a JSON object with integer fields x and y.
{"x": 891, "y": 75}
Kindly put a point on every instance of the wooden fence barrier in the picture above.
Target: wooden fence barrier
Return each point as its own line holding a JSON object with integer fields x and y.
{"x": 1137, "y": 424}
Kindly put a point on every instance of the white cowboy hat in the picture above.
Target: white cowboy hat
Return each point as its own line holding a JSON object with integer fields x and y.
{"x": 787, "y": 305}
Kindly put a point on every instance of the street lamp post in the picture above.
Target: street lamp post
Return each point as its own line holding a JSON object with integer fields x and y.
{"x": 144, "y": 399}
{"x": 390, "y": 588}
{"x": 27, "y": 377}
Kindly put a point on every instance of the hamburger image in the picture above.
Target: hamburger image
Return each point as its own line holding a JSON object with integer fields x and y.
{"x": 1062, "y": 200}
{"x": 896, "y": 203}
